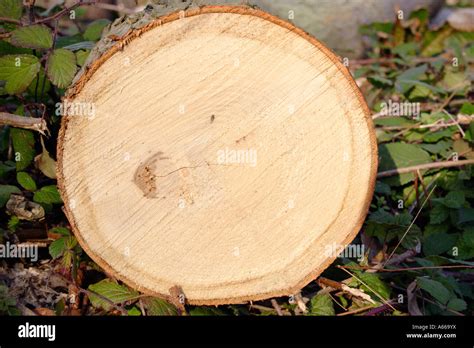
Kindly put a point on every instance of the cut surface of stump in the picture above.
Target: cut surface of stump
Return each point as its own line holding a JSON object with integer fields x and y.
{"x": 230, "y": 154}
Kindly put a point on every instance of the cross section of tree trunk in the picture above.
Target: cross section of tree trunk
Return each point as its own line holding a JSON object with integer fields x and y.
{"x": 228, "y": 154}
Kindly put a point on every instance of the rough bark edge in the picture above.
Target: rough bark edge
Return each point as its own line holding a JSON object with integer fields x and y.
{"x": 85, "y": 75}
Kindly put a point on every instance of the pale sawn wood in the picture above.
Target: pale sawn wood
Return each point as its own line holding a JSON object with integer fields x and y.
{"x": 142, "y": 182}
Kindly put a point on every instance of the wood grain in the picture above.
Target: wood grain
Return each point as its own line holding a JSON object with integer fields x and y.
{"x": 227, "y": 152}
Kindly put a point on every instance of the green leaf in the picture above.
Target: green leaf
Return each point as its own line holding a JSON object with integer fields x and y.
{"x": 206, "y": 311}
{"x": 321, "y": 305}
{"x": 158, "y": 306}
{"x": 438, "y": 214}
{"x": 435, "y": 44}
{"x": 454, "y": 199}
{"x": 456, "y": 304}
{"x": 6, "y": 167}
{"x": 11, "y": 9}
{"x": 13, "y": 223}
{"x": 374, "y": 285}
{"x": 399, "y": 155}
{"x": 465, "y": 245}
{"x": 438, "y": 243}
{"x": 379, "y": 81}
{"x": 18, "y": 71}
{"x": 114, "y": 292}
{"x": 413, "y": 74}
{"x": 454, "y": 80}
{"x": 61, "y": 67}
{"x": 81, "y": 57}
{"x": 433, "y": 137}
{"x": 5, "y": 192}
{"x": 24, "y": 146}
{"x": 467, "y": 109}
{"x": 57, "y": 248}
{"x": 435, "y": 289}
{"x": 94, "y": 30}
{"x": 34, "y": 36}
{"x": 63, "y": 231}
{"x": 134, "y": 312}
{"x": 438, "y": 147}
{"x": 26, "y": 181}
{"x": 48, "y": 195}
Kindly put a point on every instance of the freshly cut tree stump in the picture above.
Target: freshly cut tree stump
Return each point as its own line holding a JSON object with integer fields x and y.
{"x": 230, "y": 156}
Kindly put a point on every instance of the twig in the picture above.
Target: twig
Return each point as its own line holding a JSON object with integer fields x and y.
{"x": 368, "y": 287}
{"x": 378, "y": 310}
{"x": 414, "y": 205}
{"x": 300, "y": 303}
{"x": 364, "y": 268}
{"x": 118, "y": 8}
{"x": 355, "y": 311}
{"x": 434, "y": 165}
{"x": 343, "y": 287}
{"x": 66, "y": 10}
{"x": 382, "y": 60}
{"x": 277, "y": 307}
{"x": 435, "y": 125}
{"x": 17, "y": 121}
{"x": 402, "y": 257}
{"x": 455, "y": 122}
{"x": 10, "y": 20}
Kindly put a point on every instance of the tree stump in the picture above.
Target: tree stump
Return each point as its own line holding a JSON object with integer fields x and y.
{"x": 229, "y": 154}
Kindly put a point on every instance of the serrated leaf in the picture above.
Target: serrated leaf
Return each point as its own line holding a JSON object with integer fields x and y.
{"x": 399, "y": 155}
{"x": 48, "y": 195}
{"x": 11, "y": 9}
{"x": 438, "y": 243}
{"x": 435, "y": 289}
{"x": 158, "y": 306}
{"x": 94, "y": 30}
{"x": 34, "y": 36}
{"x": 61, "y": 67}
{"x": 24, "y": 146}
{"x": 321, "y": 305}
{"x": 454, "y": 199}
{"x": 57, "y": 248}
{"x": 63, "y": 231}
{"x": 374, "y": 285}
{"x": 438, "y": 214}
{"x": 18, "y": 71}
{"x": 114, "y": 292}
{"x": 5, "y": 192}
{"x": 436, "y": 43}
{"x": 26, "y": 181}
{"x": 81, "y": 57}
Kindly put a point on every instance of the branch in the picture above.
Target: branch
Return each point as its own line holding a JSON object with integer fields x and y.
{"x": 10, "y": 20}
{"x": 445, "y": 164}
{"x": 33, "y": 123}
{"x": 66, "y": 10}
